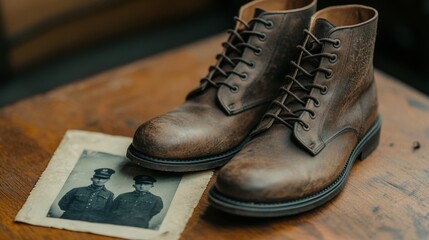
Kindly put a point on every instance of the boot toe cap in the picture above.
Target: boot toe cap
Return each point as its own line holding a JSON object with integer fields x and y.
{"x": 163, "y": 138}
{"x": 268, "y": 182}
{"x": 178, "y": 137}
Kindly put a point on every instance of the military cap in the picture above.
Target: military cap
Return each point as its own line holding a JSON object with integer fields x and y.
{"x": 144, "y": 179}
{"x": 103, "y": 173}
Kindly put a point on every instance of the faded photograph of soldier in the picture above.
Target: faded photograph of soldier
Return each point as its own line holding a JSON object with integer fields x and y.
{"x": 136, "y": 208}
{"x": 91, "y": 203}
{"x": 143, "y": 197}
{"x": 95, "y": 203}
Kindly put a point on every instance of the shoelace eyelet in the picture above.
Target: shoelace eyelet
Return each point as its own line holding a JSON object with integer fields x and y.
{"x": 269, "y": 24}
{"x": 306, "y": 127}
{"x": 258, "y": 51}
{"x": 337, "y": 43}
{"x": 334, "y": 58}
{"x": 324, "y": 90}
{"x": 235, "y": 89}
{"x": 251, "y": 65}
{"x": 312, "y": 115}
{"x": 328, "y": 75}
{"x": 263, "y": 37}
{"x": 244, "y": 76}
{"x": 316, "y": 103}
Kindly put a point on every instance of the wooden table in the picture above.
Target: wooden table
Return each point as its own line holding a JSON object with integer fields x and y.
{"x": 386, "y": 197}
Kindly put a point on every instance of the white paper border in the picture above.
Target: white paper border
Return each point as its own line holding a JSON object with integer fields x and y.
{"x": 62, "y": 163}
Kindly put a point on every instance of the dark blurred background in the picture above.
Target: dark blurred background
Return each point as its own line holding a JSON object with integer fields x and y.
{"x": 47, "y": 43}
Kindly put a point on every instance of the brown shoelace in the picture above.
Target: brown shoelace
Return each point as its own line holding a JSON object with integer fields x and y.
{"x": 286, "y": 109}
{"x": 234, "y": 49}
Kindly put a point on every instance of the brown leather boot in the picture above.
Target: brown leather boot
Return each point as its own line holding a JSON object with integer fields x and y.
{"x": 302, "y": 151}
{"x": 217, "y": 117}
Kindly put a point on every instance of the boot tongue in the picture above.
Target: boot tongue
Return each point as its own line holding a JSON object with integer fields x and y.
{"x": 322, "y": 27}
{"x": 258, "y": 11}
{"x": 224, "y": 65}
{"x": 232, "y": 54}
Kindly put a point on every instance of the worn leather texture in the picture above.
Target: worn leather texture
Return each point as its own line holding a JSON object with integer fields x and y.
{"x": 215, "y": 119}
{"x": 283, "y": 162}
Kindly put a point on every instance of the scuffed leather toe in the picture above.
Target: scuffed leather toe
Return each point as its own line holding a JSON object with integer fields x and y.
{"x": 190, "y": 131}
{"x": 169, "y": 136}
{"x": 271, "y": 168}
{"x": 270, "y": 182}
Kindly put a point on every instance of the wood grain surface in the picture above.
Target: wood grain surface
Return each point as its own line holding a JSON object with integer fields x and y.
{"x": 386, "y": 196}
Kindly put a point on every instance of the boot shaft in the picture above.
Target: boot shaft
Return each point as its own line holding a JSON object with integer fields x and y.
{"x": 350, "y": 100}
{"x": 332, "y": 87}
{"x": 354, "y": 30}
{"x": 271, "y": 29}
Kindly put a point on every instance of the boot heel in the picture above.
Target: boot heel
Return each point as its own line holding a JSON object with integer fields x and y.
{"x": 371, "y": 143}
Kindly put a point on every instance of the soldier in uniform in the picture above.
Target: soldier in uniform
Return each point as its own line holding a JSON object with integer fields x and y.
{"x": 138, "y": 207}
{"x": 91, "y": 203}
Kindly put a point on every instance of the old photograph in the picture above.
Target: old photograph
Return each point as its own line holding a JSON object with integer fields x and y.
{"x": 107, "y": 188}
{"x": 90, "y": 186}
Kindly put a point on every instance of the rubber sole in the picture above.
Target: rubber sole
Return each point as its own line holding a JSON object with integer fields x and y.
{"x": 254, "y": 209}
{"x": 182, "y": 165}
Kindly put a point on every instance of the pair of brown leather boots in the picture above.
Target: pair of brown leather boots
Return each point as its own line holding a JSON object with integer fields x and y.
{"x": 291, "y": 101}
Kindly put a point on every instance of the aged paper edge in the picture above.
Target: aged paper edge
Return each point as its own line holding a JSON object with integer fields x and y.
{"x": 36, "y": 207}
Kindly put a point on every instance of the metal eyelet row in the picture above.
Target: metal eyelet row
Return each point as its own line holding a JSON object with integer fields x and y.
{"x": 324, "y": 90}
{"x": 258, "y": 51}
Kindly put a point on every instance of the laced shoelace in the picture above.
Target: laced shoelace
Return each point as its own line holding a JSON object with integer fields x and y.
{"x": 287, "y": 111}
{"x": 238, "y": 43}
